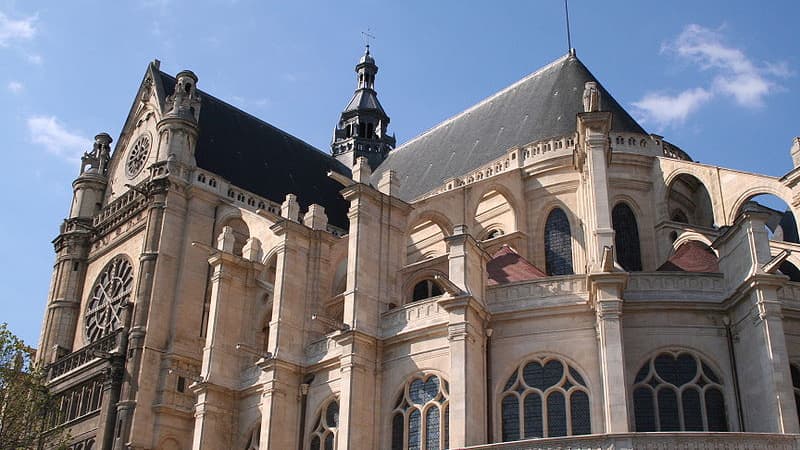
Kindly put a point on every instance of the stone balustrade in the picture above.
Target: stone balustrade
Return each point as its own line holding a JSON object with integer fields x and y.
{"x": 656, "y": 441}
{"x": 82, "y": 356}
{"x": 545, "y": 292}
{"x": 675, "y": 286}
{"x": 413, "y": 316}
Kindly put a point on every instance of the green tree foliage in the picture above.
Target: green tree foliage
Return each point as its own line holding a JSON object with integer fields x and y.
{"x": 24, "y": 399}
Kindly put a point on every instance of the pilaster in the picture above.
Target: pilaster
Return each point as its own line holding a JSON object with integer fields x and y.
{"x": 594, "y": 156}
{"x": 606, "y": 295}
{"x": 359, "y": 391}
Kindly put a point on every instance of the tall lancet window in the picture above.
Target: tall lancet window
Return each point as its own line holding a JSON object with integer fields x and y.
{"x": 324, "y": 435}
{"x": 626, "y": 238}
{"x": 558, "y": 244}
{"x": 421, "y": 415}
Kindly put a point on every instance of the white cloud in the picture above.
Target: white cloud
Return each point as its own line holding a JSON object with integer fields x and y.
{"x": 16, "y": 30}
{"x": 735, "y": 74}
{"x": 666, "y": 110}
{"x": 34, "y": 58}
{"x": 48, "y": 132}
{"x": 15, "y": 87}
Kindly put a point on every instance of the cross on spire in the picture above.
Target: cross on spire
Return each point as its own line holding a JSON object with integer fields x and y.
{"x": 367, "y": 36}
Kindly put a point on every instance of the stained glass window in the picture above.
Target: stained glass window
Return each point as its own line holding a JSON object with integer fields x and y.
{"x": 325, "y": 426}
{"x": 795, "y": 370}
{"x": 558, "y": 244}
{"x": 626, "y": 238}
{"x": 553, "y": 398}
{"x": 421, "y": 415}
{"x": 677, "y": 391}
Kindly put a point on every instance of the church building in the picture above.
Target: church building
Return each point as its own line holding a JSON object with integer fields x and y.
{"x": 535, "y": 272}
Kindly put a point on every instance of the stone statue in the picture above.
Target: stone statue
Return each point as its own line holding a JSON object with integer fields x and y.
{"x": 591, "y": 97}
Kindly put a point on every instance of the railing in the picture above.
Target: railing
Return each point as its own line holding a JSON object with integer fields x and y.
{"x": 80, "y": 357}
{"x": 119, "y": 211}
{"x": 675, "y": 286}
{"x": 657, "y": 441}
{"x": 412, "y": 316}
{"x": 544, "y": 292}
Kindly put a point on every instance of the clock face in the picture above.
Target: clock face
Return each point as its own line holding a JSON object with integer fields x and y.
{"x": 109, "y": 294}
{"x": 137, "y": 155}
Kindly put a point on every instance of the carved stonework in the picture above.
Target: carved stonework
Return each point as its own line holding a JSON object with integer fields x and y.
{"x": 591, "y": 97}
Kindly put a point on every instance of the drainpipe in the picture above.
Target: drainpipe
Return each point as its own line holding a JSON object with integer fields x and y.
{"x": 734, "y": 373}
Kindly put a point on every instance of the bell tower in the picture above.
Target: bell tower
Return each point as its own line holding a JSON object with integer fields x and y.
{"x": 362, "y": 127}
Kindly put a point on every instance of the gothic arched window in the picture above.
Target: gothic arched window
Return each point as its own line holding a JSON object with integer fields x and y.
{"x": 558, "y": 244}
{"x": 421, "y": 415}
{"x": 545, "y": 398}
{"x": 796, "y": 385}
{"x": 324, "y": 435}
{"x": 678, "y": 391}
{"x": 254, "y": 439}
{"x": 626, "y": 238}
{"x": 426, "y": 288}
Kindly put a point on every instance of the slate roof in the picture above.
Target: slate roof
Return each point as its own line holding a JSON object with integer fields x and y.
{"x": 541, "y": 105}
{"x": 365, "y": 99}
{"x": 263, "y": 159}
{"x": 507, "y": 266}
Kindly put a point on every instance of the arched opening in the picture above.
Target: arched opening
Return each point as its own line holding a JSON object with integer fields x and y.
{"x": 558, "y": 244}
{"x": 495, "y": 215}
{"x": 790, "y": 270}
{"x": 241, "y": 233}
{"x": 425, "y": 241}
{"x": 688, "y": 202}
{"x": 426, "y": 288}
{"x": 781, "y": 223}
{"x": 626, "y": 238}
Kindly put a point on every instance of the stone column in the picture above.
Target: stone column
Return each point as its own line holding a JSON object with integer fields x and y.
{"x": 282, "y": 373}
{"x": 592, "y": 158}
{"x": 466, "y": 336}
{"x": 359, "y": 388}
{"x": 66, "y": 290}
{"x": 606, "y": 292}
{"x": 757, "y": 325}
{"x": 136, "y": 323}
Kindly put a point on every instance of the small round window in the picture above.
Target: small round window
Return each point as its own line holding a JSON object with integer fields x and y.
{"x": 137, "y": 155}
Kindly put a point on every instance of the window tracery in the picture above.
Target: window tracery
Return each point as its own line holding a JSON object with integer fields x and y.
{"x": 544, "y": 398}
{"x": 108, "y": 296}
{"x": 795, "y": 370}
{"x": 558, "y": 244}
{"x": 323, "y": 436}
{"x": 421, "y": 415}
{"x": 678, "y": 391}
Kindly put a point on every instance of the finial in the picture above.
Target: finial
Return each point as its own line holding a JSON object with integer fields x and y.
{"x": 367, "y": 36}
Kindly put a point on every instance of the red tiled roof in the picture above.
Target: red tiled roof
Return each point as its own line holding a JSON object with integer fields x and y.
{"x": 506, "y": 266}
{"x": 692, "y": 256}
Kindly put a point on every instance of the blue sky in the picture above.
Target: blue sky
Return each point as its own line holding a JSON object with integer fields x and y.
{"x": 718, "y": 78}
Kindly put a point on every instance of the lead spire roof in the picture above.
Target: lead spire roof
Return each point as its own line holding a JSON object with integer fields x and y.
{"x": 542, "y": 105}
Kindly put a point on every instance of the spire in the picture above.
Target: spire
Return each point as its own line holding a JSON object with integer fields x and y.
{"x": 362, "y": 127}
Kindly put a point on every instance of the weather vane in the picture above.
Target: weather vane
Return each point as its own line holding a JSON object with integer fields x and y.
{"x": 367, "y": 36}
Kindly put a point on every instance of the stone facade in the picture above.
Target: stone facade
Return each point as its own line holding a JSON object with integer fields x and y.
{"x": 187, "y": 311}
